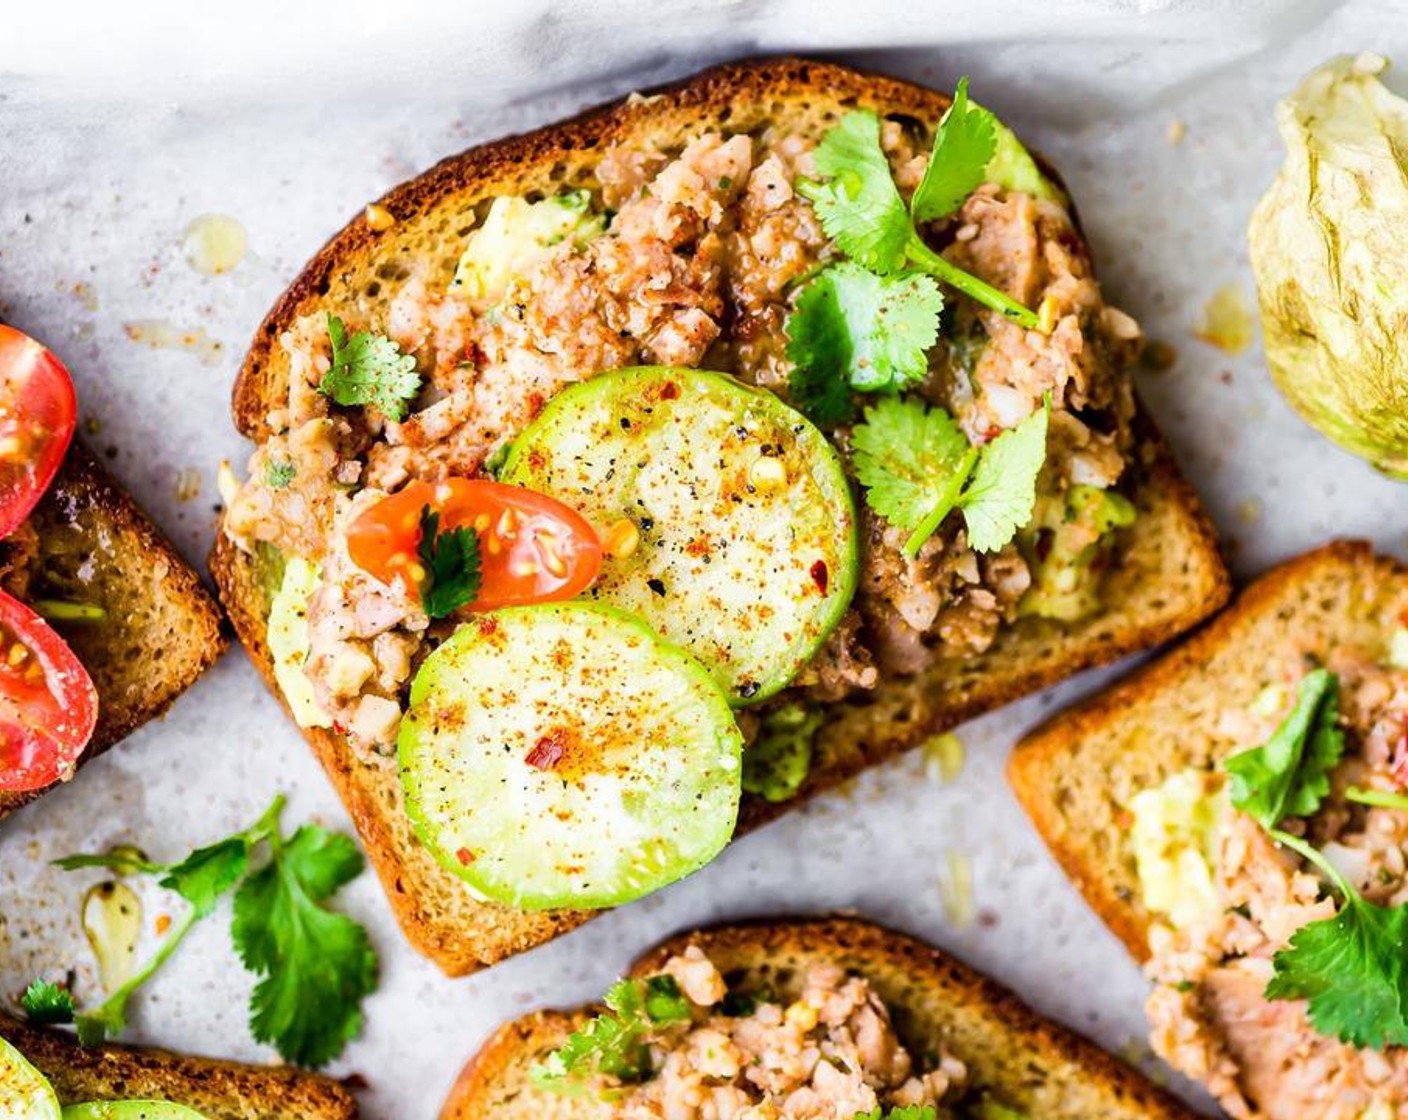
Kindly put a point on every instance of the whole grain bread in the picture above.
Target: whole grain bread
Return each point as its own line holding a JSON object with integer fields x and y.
{"x": 1170, "y": 578}
{"x": 219, "y": 1090}
{"x": 1075, "y": 774}
{"x": 1024, "y": 1061}
{"x": 162, "y": 630}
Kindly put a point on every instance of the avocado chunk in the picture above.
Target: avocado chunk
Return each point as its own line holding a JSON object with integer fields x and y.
{"x": 130, "y": 1110}
{"x": 516, "y": 234}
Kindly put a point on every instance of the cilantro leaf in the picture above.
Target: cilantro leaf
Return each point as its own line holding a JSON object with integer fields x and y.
{"x": 316, "y": 965}
{"x": 1289, "y": 775}
{"x": 1353, "y": 970}
{"x": 860, "y": 207}
{"x": 45, "y": 1003}
{"x": 278, "y": 474}
{"x": 853, "y": 327}
{"x": 369, "y": 369}
{"x": 1000, "y": 499}
{"x": 964, "y": 143}
{"x": 861, "y": 210}
{"x": 207, "y": 873}
{"x": 913, "y": 462}
{"x": 452, "y": 567}
{"x": 613, "y": 1043}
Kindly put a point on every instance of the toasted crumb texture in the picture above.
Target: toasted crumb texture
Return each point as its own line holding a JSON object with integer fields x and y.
{"x": 1076, "y": 774}
{"x": 1029, "y": 1063}
{"x": 218, "y": 1090}
{"x": 162, "y": 629}
{"x": 1170, "y": 576}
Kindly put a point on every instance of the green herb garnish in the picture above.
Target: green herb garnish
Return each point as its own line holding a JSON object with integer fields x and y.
{"x": 917, "y": 466}
{"x": 369, "y": 369}
{"x": 452, "y": 566}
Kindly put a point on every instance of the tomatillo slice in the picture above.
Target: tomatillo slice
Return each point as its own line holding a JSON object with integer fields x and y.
{"x": 130, "y": 1110}
{"x": 564, "y": 755}
{"x": 726, "y": 517}
{"x": 25, "y": 1093}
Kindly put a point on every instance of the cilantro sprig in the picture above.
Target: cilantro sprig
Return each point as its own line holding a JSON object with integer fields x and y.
{"x": 369, "y": 369}
{"x": 1351, "y": 969}
{"x": 1289, "y": 774}
{"x": 315, "y": 966}
{"x": 917, "y": 466}
{"x": 452, "y": 565}
{"x": 867, "y": 324}
{"x": 613, "y": 1044}
{"x": 45, "y": 1003}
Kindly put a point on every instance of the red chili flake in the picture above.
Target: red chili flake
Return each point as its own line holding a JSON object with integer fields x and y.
{"x": 548, "y": 750}
{"x": 669, "y": 391}
{"x": 488, "y": 626}
{"x": 465, "y": 856}
{"x": 820, "y": 576}
{"x": 1124, "y": 820}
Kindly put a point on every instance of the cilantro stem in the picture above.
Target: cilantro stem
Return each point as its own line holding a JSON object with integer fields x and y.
{"x": 59, "y": 610}
{"x": 111, "y": 1014}
{"x": 1317, "y": 859}
{"x": 1377, "y": 797}
{"x": 968, "y": 284}
{"x": 944, "y": 501}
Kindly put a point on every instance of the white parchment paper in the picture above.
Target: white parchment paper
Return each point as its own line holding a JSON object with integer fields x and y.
{"x": 121, "y": 123}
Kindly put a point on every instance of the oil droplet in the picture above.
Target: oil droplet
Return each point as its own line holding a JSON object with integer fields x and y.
{"x": 161, "y": 334}
{"x": 112, "y": 922}
{"x": 943, "y": 757}
{"x": 1227, "y": 322}
{"x": 956, "y": 888}
{"x": 214, "y": 243}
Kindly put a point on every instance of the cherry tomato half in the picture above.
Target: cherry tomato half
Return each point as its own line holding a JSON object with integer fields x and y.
{"x": 48, "y": 706}
{"x": 532, "y": 548}
{"x": 37, "y": 416}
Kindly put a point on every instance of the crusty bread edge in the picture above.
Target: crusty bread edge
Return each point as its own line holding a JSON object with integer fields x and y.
{"x": 887, "y": 950}
{"x": 1041, "y": 750}
{"x": 109, "y": 1071}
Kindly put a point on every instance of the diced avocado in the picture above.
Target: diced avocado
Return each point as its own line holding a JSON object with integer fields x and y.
{"x": 131, "y": 1110}
{"x": 1173, "y": 837}
{"x": 515, "y": 234}
{"x": 269, "y": 563}
{"x": 564, "y": 755}
{"x": 288, "y": 641}
{"x": 1013, "y": 169}
{"x": 744, "y": 529}
{"x": 1398, "y": 648}
{"x": 777, "y": 762}
{"x": 1065, "y": 536}
{"x": 25, "y": 1093}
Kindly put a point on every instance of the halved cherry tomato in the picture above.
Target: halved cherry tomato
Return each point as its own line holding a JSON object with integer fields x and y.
{"x": 37, "y": 416}
{"x": 48, "y": 706}
{"x": 532, "y": 548}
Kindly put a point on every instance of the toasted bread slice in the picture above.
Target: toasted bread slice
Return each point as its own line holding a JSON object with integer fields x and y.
{"x": 1170, "y": 578}
{"x": 162, "y": 628}
{"x": 1075, "y": 774}
{"x": 1030, "y": 1064}
{"x": 218, "y": 1090}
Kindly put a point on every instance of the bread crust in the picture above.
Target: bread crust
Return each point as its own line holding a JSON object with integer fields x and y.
{"x": 1080, "y": 742}
{"x": 1175, "y": 576}
{"x": 170, "y": 630}
{"x": 1036, "y": 1065}
{"x": 219, "y": 1090}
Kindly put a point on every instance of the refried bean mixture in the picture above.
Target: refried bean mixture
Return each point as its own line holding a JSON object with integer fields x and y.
{"x": 702, "y": 253}
{"x": 1209, "y": 1017}
{"x": 829, "y": 1055}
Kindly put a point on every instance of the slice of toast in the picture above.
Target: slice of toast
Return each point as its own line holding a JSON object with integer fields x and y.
{"x": 1076, "y": 774}
{"x": 218, "y": 1090}
{"x": 1170, "y": 578}
{"x": 162, "y": 628}
{"x": 1033, "y": 1065}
